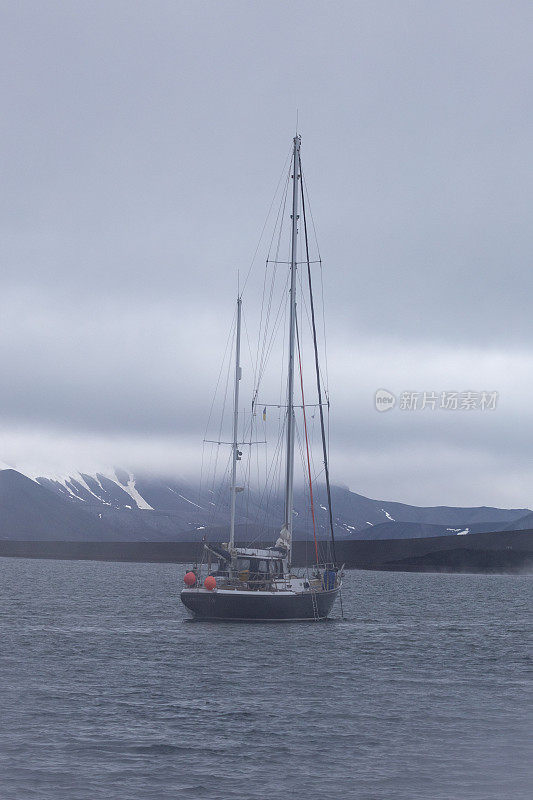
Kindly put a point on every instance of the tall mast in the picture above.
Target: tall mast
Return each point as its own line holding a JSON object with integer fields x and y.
{"x": 235, "y": 445}
{"x": 289, "y": 474}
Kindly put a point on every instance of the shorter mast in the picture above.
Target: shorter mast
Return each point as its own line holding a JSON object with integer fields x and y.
{"x": 235, "y": 446}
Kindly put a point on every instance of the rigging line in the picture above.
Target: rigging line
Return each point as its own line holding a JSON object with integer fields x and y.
{"x": 221, "y": 503}
{"x": 280, "y": 216}
{"x": 282, "y": 202}
{"x": 273, "y": 467}
{"x": 298, "y": 263}
{"x": 316, "y": 475}
{"x": 247, "y": 335}
{"x": 325, "y": 378}
{"x": 304, "y": 303}
{"x": 272, "y": 284}
{"x": 306, "y": 439}
{"x": 200, "y": 487}
{"x": 266, "y": 458}
{"x": 312, "y": 439}
{"x": 224, "y": 401}
{"x": 266, "y": 221}
{"x": 281, "y": 418}
{"x": 279, "y": 221}
{"x": 258, "y": 363}
{"x": 304, "y": 520}
{"x": 253, "y": 429}
{"x": 283, "y": 384}
{"x": 255, "y": 362}
{"x": 304, "y": 300}
{"x": 229, "y": 338}
{"x": 319, "y": 387}
{"x": 270, "y": 476}
{"x": 273, "y": 471}
{"x": 326, "y": 362}
{"x": 306, "y": 308}
{"x": 282, "y": 304}
{"x": 304, "y": 183}
{"x": 246, "y": 485}
{"x": 321, "y": 285}
{"x": 247, "y": 472}
{"x": 263, "y": 342}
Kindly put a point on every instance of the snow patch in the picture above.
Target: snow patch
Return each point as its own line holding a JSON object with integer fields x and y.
{"x": 388, "y": 515}
{"x": 63, "y": 480}
{"x": 80, "y": 479}
{"x": 370, "y": 523}
{"x": 110, "y": 474}
{"x": 134, "y": 494}
{"x": 129, "y": 488}
{"x": 189, "y": 501}
{"x": 462, "y": 533}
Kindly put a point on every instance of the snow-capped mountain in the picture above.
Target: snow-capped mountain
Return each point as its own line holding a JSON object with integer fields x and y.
{"x": 112, "y": 487}
{"x": 128, "y": 506}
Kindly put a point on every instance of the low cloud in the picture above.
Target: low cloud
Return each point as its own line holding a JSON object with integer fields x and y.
{"x": 137, "y": 177}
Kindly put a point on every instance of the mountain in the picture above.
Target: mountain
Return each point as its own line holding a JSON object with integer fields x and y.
{"x": 366, "y": 514}
{"x": 423, "y": 530}
{"x": 115, "y": 505}
{"x": 523, "y": 524}
{"x": 31, "y": 512}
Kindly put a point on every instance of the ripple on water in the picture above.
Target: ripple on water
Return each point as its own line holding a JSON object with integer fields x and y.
{"x": 417, "y": 694}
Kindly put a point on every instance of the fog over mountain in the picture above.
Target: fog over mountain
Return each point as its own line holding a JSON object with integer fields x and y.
{"x": 142, "y": 145}
{"x": 119, "y": 505}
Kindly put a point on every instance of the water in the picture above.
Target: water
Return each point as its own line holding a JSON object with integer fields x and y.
{"x": 107, "y": 691}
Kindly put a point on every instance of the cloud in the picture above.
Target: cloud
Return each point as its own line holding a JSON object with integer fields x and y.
{"x": 142, "y": 148}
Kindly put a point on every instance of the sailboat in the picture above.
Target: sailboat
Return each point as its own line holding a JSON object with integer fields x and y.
{"x": 259, "y": 583}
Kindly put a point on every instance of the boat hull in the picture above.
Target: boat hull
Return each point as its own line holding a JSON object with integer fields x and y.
{"x": 247, "y": 606}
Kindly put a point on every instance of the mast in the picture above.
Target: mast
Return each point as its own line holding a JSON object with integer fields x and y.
{"x": 289, "y": 473}
{"x": 235, "y": 446}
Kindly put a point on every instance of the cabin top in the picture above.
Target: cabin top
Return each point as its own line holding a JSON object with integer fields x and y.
{"x": 256, "y": 552}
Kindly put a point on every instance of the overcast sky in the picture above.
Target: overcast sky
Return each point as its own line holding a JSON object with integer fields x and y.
{"x": 141, "y": 145}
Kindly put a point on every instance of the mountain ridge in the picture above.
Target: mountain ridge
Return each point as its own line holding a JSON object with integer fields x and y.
{"x": 118, "y": 504}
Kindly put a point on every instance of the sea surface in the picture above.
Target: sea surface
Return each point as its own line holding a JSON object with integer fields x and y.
{"x": 108, "y": 692}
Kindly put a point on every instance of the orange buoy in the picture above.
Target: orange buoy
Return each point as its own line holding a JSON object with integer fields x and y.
{"x": 190, "y": 578}
{"x": 210, "y": 583}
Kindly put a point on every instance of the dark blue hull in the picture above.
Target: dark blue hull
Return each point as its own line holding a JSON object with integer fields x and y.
{"x": 259, "y": 606}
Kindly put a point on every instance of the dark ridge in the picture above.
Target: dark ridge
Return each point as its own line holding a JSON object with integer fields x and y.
{"x": 502, "y": 552}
